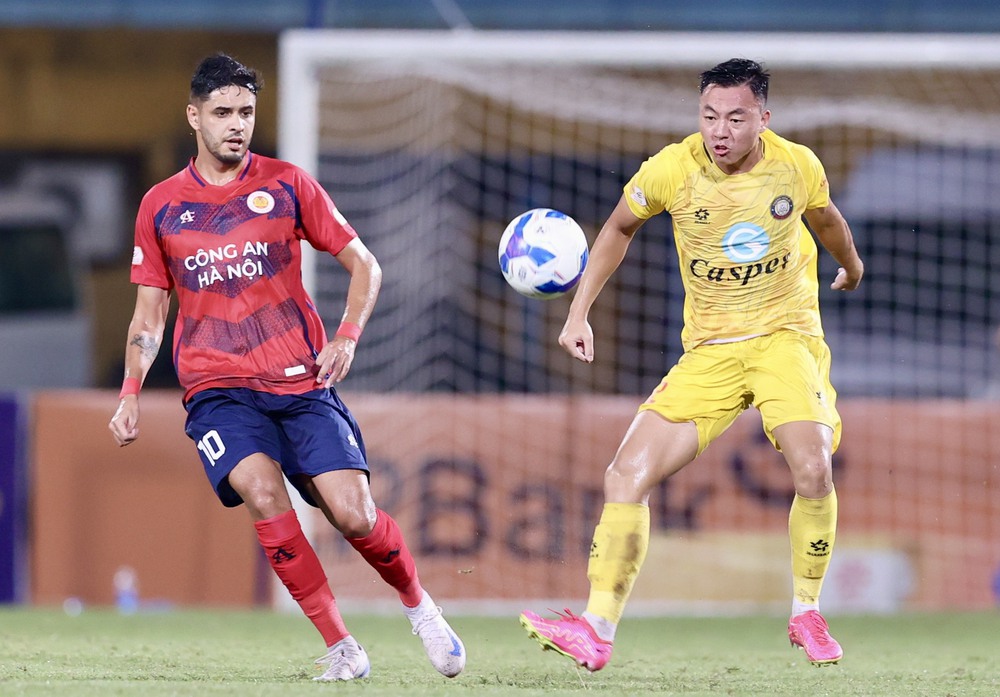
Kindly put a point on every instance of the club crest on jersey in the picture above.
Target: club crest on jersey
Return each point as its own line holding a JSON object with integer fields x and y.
{"x": 781, "y": 207}
{"x": 260, "y": 202}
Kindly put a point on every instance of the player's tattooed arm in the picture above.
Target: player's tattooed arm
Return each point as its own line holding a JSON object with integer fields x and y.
{"x": 145, "y": 330}
{"x": 148, "y": 345}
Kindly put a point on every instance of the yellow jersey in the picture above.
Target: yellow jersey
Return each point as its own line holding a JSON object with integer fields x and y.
{"x": 747, "y": 260}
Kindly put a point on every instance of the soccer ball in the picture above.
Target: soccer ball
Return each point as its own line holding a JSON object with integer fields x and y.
{"x": 543, "y": 253}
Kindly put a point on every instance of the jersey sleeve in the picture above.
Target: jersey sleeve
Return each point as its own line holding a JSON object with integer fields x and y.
{"x": 651, "y": 190}
{"x": 814, "y": 176}
{"x": 322, "y": 224}
{"x": 149, "y": 262}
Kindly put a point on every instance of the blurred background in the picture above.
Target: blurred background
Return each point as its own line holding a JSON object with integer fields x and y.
{"x": 432, "y": 123}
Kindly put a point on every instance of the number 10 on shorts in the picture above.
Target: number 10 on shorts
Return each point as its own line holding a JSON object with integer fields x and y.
{"x": 212, "y": 447}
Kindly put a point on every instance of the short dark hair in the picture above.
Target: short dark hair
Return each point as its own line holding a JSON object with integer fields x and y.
{"x": 736, "y": 72}
{"x": 221, "y": 70}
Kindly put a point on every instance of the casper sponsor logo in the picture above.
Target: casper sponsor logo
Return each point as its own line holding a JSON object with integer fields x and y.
{"x": 742, "y": 274}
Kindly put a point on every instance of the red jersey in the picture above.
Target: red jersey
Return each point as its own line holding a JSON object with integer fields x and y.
{"x": 232, "y": 253}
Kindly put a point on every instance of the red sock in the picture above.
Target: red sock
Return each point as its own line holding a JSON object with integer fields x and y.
{"x": 294, "y": 560}
{"x": 386, "y": 551}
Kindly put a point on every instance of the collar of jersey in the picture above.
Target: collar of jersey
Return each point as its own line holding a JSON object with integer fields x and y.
{"x": 193, "y": 171}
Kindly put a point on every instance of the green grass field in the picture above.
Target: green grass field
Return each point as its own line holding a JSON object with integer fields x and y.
{"x": 46, "y": 652}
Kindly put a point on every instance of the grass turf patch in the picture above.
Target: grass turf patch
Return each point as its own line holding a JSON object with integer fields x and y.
{"x": 209, "y": 652}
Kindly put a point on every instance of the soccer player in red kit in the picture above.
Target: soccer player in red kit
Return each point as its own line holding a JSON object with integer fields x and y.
{"x": 257, "y": 368}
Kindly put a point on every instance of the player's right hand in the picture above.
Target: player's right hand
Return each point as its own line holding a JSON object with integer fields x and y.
{"x": 124, "y": 425}
{"x": 577, "y": 338}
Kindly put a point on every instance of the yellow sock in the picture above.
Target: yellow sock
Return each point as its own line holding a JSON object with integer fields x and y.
{"x": 812, "y": 529}
{"x": 620, "y": 543}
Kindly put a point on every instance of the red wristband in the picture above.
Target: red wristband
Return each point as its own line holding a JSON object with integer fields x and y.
{"x": 350, "y": 330}
{"x": 129, "y": 386}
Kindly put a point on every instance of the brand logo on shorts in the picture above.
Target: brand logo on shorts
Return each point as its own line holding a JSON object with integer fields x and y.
{"x": 352, "y": 440}
{"x": 260, "y": 202}
{"x": 781, "y": 207}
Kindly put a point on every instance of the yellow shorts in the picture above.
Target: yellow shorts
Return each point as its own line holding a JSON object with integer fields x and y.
{"x": 786, "y": 375}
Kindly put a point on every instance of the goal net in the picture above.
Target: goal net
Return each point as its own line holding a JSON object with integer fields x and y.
{"x": 494, "y": 441}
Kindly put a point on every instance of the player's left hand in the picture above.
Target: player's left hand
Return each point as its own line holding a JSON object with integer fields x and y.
{"x": 846, "y": 280}
{"x": 334, "y": 361}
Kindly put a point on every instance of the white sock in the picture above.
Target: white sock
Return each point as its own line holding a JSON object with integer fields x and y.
{"x": 605, "y": 629}
{"x": 799, "y": 607}
{"x": 425, "y": 605}
{"x": 346, "y": 640}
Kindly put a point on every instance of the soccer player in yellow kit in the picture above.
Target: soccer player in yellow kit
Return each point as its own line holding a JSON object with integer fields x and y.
{"x": 737, "y": 194}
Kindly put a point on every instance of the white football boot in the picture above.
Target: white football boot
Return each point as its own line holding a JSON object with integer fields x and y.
{"x": 345, "y": 660}
{"x": 444, "y": 649}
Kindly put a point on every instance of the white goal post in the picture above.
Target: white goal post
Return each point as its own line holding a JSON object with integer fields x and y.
{"x": 302, "y": 51}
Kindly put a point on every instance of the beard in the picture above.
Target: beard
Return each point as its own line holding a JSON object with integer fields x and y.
{"x": 223, "y": 152}
{"x": 228, "y": 156}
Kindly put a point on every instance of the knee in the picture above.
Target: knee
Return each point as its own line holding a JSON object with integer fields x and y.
{"x": 265, "y": 497}
{"x": 355, "y": 521}
{"x": 814, "y": 478}
{"x": 259, "y": 482}
{"x": 624, "y": 484}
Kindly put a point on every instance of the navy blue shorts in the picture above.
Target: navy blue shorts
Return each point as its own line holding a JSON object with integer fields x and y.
{"x": 307, "y": 434}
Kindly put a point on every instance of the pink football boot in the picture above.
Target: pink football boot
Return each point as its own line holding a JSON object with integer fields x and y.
{"x": 571, "y": 636}
{"x": 809, "y": 631}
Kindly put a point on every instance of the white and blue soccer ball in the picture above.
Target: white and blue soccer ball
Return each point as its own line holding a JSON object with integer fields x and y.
{"x": 543, "y": 253}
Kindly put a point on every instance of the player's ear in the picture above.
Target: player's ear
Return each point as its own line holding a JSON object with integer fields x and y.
{"x": 192, "y": 116}
{"x": 765, "y": 119}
